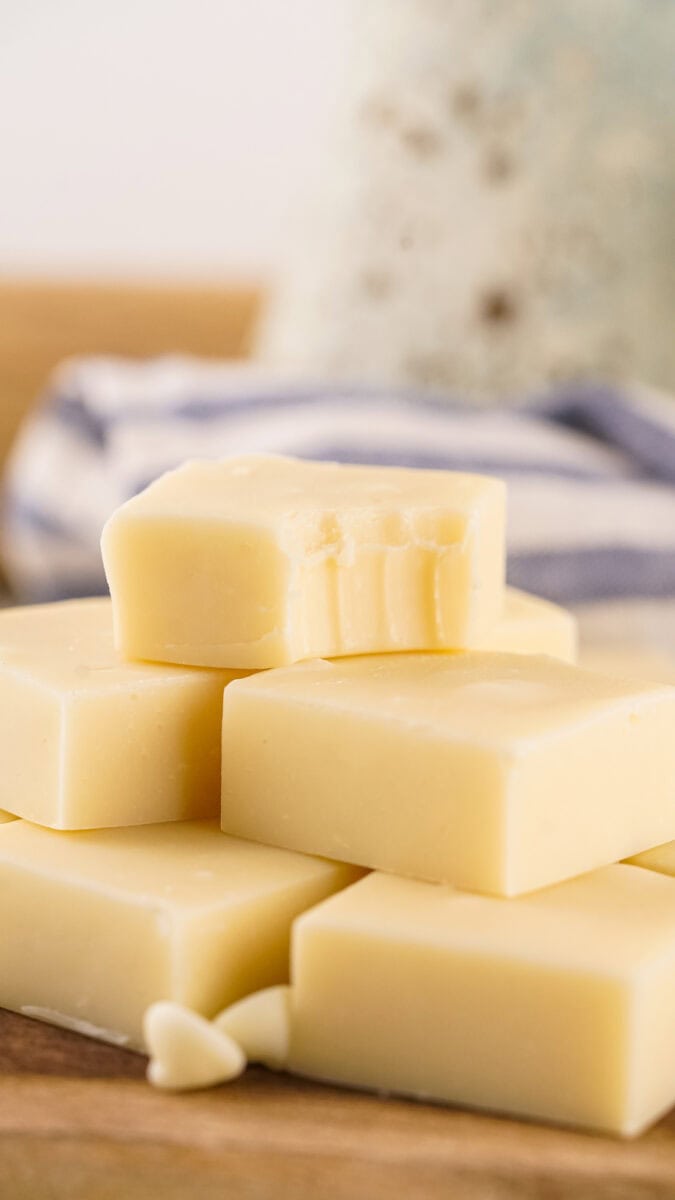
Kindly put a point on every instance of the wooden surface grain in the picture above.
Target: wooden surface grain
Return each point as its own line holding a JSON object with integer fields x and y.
{"x": 78, "y": 1122}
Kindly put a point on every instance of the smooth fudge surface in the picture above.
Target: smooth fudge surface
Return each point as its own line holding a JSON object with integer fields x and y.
{"x": 87, "y": 740}
{"x": 106, "y": 922}
{"x": 558, "y": 1006}
{"x": 630, "y": 662}
{"x": 260, "y": 561}
{"x": 498, "y": 773}
{"x": 531, "y": 625}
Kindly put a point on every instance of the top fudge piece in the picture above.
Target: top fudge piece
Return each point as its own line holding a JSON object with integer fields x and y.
{"x": 262, "y": 561}
{"x": 88, "y": 741}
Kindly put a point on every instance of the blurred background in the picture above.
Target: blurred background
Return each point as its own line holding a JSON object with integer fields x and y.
{"x": 398, "y": 230}
{"x": 160, "y": 139}
{"x": 152, "y": 153}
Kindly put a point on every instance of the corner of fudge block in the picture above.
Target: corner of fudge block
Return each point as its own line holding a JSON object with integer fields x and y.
{"x": 172, "y": 577}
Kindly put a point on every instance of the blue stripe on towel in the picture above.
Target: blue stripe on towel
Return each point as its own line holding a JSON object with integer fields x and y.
{"x": 577, "y": 576}
{"x": 440, "y": 460}
{"x": 611, "y": 417}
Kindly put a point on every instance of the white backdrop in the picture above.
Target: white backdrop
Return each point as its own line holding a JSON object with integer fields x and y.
{"x": 161, "y": 138}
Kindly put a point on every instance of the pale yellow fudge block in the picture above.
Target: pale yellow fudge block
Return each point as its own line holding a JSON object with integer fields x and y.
{"x": 530, "y": 625}
{"x": 261, "y": 561}
{"x": 105, "y": 923}
{"x": 87, "y": 740}
{"x": 630, "y": 663}
{"x": 558, "y": 1006}
{"x": 498, "y": 773}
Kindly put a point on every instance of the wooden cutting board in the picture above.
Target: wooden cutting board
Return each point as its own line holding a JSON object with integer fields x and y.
{"x": 44, "y": 321}
{"x": 78, "y": 1122}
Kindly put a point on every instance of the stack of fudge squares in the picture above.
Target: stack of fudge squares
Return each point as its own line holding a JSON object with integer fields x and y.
{"x": 312, "y": 737}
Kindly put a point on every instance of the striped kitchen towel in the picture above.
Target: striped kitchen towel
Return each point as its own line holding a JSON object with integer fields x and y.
{"x": 591, "y": 470}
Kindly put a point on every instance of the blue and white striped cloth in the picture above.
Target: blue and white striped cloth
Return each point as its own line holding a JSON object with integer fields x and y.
{"x": 591, "y": 470}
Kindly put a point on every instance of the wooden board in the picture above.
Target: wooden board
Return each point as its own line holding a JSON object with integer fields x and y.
{"x": 78, "y": 1122}
{"x": 45, "y": 321}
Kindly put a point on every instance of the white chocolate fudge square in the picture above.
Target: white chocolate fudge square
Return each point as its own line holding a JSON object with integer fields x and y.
{"x": 497, "y": 773}
{"x": 261, "y": 561}
{"x": 106, "y": 922}
{"x": 87, "y": 740}
{"x": 531, "y": 625}
{"x": 558, "y": 1006}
